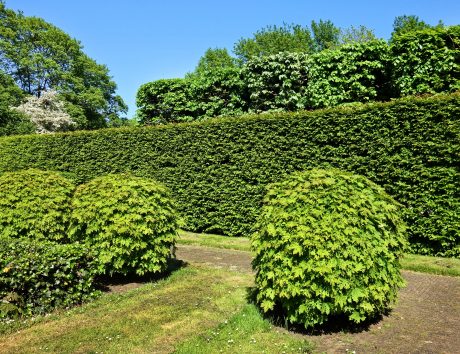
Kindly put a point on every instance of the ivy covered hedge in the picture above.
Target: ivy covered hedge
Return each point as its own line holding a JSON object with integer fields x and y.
{"x": 218, "y": 169}
{"x": 38, "y": 276}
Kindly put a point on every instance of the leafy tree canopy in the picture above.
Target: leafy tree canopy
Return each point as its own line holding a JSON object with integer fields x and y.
{"x": 409, "y": 23}
{"x": 213, "y": 59}
{"x": 325, "y": 35}
{"x": 292, "y": 38}
{"x": 41, "y": 57}
{"x": 274, "y": 39}
{"x": 359, "y": 34}
{"x": 11, "y": 121}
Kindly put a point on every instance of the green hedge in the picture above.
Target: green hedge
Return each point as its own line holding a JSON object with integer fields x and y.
{"x": 38, "y": 276}
{"x": 426, "y": 61}
{"x": 217, "y": 170}
{"x": 413, "y": 63}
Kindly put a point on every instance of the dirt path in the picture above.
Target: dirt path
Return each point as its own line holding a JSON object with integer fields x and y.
{"x": 426, "y": 318}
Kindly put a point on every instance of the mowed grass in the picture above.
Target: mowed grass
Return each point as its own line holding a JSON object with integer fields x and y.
{"x": 424, "y": 264}
{"x": 246, "y": 332}
{"x": 155, "y": 318}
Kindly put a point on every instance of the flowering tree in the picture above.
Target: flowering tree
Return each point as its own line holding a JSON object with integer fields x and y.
{"x": 48, "y": 113}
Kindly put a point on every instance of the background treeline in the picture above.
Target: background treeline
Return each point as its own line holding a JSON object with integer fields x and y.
{"x": 218, "y": 169}
{"x": 288, "y": 69}
{"x": 36, "y": 57}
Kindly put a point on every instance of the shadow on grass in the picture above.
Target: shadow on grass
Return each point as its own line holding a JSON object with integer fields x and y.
{"x": 335, "y": 324}
{"x": 120, "y": 282}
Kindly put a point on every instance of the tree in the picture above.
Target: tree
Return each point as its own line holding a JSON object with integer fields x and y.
{"x": 273, "y": 40}
{"x": 325, "y": 35}
{"x": 213, "y": 59}
{"x": 359, "y": 34}
{"x": 403, "y": 24}
{"x": 47, "y": 113}
{"x": 41, "y": 57}
{"x": 11, "y": 121}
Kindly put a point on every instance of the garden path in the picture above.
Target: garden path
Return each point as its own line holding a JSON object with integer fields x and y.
{"x": 426, "y": 318}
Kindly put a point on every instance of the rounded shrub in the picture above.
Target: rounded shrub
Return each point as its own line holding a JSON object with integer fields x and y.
{"x": 38, "y": 276}
{"x": 327, "y": 243}
{"x": 34, "y": 204}
{"x": 129, "y": 221}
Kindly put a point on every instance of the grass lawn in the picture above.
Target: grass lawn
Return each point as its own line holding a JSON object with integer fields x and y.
{"x": 425, "y": 264}
{"x": 195, "y": 310}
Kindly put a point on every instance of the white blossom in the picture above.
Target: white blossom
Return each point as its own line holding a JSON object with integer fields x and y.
{"x": 48, "y": 113}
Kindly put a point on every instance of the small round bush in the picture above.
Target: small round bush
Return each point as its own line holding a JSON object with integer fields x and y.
{"x": 327, "y": 243}
{"x": 34, "y": 204}
{"x": 129, "y": 221}
{"x": 38, "y": 276}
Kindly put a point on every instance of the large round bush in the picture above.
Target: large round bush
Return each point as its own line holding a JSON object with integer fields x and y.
{"x": 34, "y": 204}
{"x": 327, "y": 243}
{"x": 129, "y": 221}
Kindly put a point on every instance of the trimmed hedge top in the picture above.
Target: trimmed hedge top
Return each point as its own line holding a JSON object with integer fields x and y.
{"x": 217, "y": 170}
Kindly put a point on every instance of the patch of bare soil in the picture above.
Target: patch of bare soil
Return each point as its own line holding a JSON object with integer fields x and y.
{"x": 426, "y": 318}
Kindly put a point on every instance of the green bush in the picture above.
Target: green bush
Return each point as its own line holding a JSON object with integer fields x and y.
{"x": 165, "y": 101}
{"x": 130, "y": 222}
{"x": 277, "y": 82}
{"x": 327, "y": 243}
{"x": 358, "y": 72}
{"x": 38, "y": 276}
{"x": 218, "y": 92}
{"x": 426, "y": 61}
{"x": 217, "y": 170}
{"x": 34, "y": 204}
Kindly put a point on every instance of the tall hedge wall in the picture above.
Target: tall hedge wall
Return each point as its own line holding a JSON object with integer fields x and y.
{"x": 218, "y": 169}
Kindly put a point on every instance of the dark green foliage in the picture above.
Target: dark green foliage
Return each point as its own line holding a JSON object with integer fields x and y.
{"x": 130, "y": 222}
{"x": 11, "y": 121}
{"x": 218, "y": 92}
{"x": 34, "y": 204}
{"x": 358, "y": 72}
{"x": 165, "y": 101}
{"x": 426, "y": 61}
{"x": 212, "y": 93}
{"x": 277, "y": 82}
{"x": 217, "y": 169}
{"x": 327, "y": 243}
{"x": 38, "y": 276}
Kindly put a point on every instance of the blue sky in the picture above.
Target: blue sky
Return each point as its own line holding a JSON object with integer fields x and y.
{"x": 142, "y": 40}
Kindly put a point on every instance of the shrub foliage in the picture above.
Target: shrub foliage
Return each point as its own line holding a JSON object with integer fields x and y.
{"x": 327, "y": 243}
{"x": 129, "y": 221}
{"x": 416, "y": 62}
{"x": 217, "y": 170}
{"x": 426, "y": 61}
{"x": 277, "y": 82}
{"x": 358, "y": 72}
{"x": 34, "y": 204}
{"x": 37, "y": 276}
